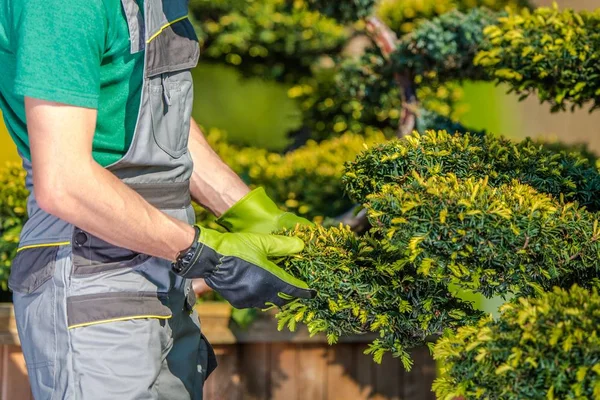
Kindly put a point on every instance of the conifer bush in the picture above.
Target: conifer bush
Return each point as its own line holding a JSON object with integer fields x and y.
{"x": 360, "y": 292}
{"x": 542, "y": 348}
{"x": 547, "y": 169}
{"x": 403, "y": 16}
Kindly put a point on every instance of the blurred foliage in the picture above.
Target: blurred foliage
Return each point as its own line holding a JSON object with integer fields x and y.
{"x": 351, "y": 96}
{"x": 344, "y": 11}
{"x": 272, "y": 39}
{"x": 444, "y": 48}
{"x": 403, "y": 16}
{"x": 306, "y": 181}
{"x": 554, "y": 54}
{"x": 544, "y": 348}
{"x": 13, "y": 214}
{"x": 358, "y": 291}
{"x": 559, "y": 173}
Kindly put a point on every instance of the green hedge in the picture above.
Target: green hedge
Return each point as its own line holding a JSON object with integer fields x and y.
{"x": 559, "y": 173}
{"x": 544, "y": 348}
{"x": 306, "y": 181}
{"x": 500, "y": 240}
{"x": 344, "y": 11}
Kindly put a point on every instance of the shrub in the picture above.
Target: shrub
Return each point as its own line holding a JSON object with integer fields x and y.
{"x": 353, "y": 96}
{"x": 306, "y": 181}
{"x": 268, "y": 38}
{"x": 562, "y": 173}
{"x": 544, "y": 348}
{"x": 555, "y": 54}
{"x": 344, "y": 10}
{"x": 404, "y": 16}
{"x": 356, "y": 296}
{"x": 13, "y": 213}
{"x": 548, "y": 52}
{"x": 444, "y": 48}
{"x": 491, "y": 240}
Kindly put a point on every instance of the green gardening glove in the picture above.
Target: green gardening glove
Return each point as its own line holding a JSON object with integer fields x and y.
{"x": 257, "y": 213}
{"x": 238, "y": 267}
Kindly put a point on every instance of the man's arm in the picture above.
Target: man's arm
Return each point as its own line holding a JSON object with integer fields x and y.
{"x": 69, "y": 184}
{"x": 213, "y": 185}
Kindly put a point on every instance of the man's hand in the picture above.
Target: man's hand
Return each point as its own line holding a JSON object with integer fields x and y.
{"x": 69, "y": 184}
{"x": 257, "y": 213}
{"x": 238, "y": 267}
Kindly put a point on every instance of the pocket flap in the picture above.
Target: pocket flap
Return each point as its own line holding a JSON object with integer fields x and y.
{"x": 92, "y": 309}
{"x": 31, "y": 268}
{"x": 173, "y": 48}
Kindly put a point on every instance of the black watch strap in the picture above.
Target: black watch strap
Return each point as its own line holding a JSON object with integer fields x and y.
{"x": 187, "y": 257}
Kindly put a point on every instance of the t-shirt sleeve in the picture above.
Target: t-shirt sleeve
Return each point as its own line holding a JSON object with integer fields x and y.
{"x": 59, "y": 48}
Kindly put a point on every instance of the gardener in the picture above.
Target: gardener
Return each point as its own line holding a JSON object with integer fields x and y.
{"x": 97, "y": 95}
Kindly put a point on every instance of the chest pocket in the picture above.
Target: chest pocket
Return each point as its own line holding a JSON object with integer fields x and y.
{"x": 170, "y": 54}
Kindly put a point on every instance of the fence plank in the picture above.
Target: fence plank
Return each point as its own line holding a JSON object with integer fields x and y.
{"x": 417, "y": 382}
{"x": 283, "y": 372}
{"x": 388, "y": 379}
{"x": 225, "y": 380}
{"x": 341, "y": 370}
{"x": 312, "y": 367}
{"x": 255, "y": 368}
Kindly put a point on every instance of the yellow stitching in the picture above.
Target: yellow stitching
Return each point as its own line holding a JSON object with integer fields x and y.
{"x": 34, "y": 246}
{"x": 162, "y": 28}
{"x": 120, "y": 319}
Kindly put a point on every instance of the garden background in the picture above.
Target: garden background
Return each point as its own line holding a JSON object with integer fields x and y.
{"x": 257, "y": 113}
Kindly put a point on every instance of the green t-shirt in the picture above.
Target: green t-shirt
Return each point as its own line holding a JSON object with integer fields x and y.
{"x": 75, "y": 52}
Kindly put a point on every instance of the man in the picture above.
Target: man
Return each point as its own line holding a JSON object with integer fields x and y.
{"x": 97, "y": 95}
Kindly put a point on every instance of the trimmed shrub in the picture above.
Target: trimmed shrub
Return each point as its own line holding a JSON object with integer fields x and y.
{"x": 561, "y": 173}
{"x": 554, "y": 54}
{"x": 444, "y": 48}
{"x": 490, "y": 240}
{"x": 355, "y": 295}
{"x": 544, "y": 348}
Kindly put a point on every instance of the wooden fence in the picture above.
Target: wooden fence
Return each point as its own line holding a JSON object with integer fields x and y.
{"x": 263, "y": 364}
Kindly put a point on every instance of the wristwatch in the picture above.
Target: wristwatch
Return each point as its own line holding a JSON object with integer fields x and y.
{"x": 186, "y": 258}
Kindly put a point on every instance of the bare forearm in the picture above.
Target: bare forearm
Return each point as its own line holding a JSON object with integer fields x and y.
{"x": 214, "y": 185}
{"x": 104, "y": 206}
{"x": 69, "y": 184}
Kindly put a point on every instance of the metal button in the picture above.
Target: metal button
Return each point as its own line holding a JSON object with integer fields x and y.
{"x": 80, "y": 238}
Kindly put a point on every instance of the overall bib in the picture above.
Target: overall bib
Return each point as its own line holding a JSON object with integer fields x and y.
{"x": 102, "y": 322}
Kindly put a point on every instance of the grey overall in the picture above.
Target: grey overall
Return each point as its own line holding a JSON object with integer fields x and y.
{"x": 101, "y": 322}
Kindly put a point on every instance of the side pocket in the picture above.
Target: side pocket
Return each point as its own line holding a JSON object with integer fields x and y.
{"x": 92, "y": 255}
{"x": 31, "y": 268}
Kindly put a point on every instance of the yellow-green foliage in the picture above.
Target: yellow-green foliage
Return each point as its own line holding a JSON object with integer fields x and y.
{"x": 404, "y": 15}
{"x": 492, "y": 240}
{"x": 554, "y": 53}
{"x": 548, "y": 170}
{"x": 544, "y": 348}
{"x": 306, "y": 181}
{"x": 273, "y": 39}
{"x": 359, "y": 292}
{"x": 13, "y": 213}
